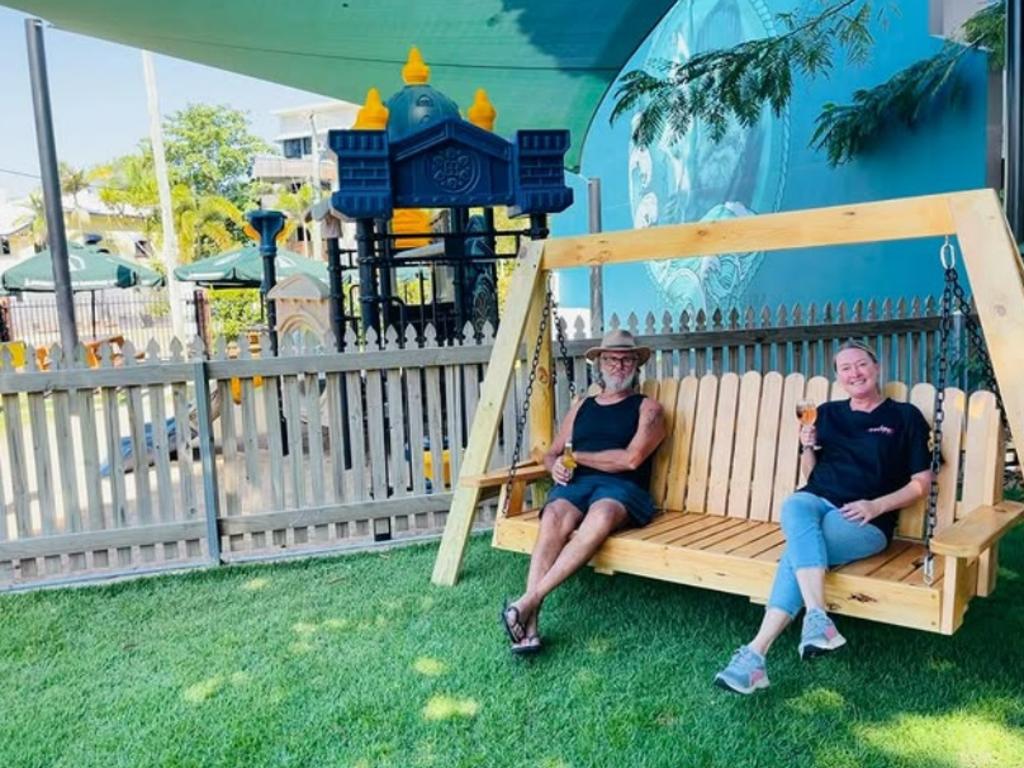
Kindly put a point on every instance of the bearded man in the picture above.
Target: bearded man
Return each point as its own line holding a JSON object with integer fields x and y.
{"x": 613, "y": 435}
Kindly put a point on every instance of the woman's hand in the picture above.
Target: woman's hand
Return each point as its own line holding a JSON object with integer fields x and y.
{"x": 860, "y": 511}
{"x": 808, "y": 436}
{"x": 560, "y": 473}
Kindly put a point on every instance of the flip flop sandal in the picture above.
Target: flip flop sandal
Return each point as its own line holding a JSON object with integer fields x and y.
{"x": 532, "y": 646}
{"x": 512, "y": 627}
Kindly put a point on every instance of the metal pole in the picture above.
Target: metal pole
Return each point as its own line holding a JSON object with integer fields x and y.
{"x": 5, "y": 329}
{"x": 459, "y": 223}
{"x": 211, "y": 494}
{"x": 337, "y": 309}
{"x": 202, "y": 310}
{"x": 51, "y": 187}
{"x": 315, "y": 235}
{"x": 269, "y": 224}
{"x": 1014, "y": 179}
{"x": 596, "y": 279}
{"x": 367, "y": 273}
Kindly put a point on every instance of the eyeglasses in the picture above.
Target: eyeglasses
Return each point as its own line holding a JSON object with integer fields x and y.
{"x": 619, "y": 361}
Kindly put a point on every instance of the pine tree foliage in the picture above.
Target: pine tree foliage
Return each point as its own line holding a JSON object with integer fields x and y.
{"x": 737, "y": 83}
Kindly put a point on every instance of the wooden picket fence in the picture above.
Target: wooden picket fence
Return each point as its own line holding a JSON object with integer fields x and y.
{"x": 182, "y": 457}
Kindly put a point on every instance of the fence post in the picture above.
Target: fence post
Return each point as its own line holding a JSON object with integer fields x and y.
{"x": 211, "y": 489}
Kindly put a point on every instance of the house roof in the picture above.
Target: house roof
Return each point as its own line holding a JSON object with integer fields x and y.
{"x": 14, "y": 218}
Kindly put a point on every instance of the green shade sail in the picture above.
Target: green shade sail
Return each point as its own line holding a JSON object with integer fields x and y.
{"x": 91, "y": 270}
{"x": 243, "y": 268}
{"x": 544, "y": 63}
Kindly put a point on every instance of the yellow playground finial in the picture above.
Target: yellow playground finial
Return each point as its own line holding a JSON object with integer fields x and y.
{"x": 373, "y": 115}
{"x": 415, "y": 72}
{"x": 482, "y": 114}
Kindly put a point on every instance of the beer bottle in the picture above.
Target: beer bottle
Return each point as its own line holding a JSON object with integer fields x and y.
{"x": 568, "y": 460}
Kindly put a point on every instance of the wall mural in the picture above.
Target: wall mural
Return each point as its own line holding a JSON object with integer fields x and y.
{"x": 696, "y": 179}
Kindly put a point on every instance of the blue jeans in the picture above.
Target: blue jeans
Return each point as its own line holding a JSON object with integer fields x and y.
{"x": 817, "y": 536}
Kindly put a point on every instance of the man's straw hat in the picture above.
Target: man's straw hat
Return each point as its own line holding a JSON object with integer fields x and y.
{"x": 619, "y": 341}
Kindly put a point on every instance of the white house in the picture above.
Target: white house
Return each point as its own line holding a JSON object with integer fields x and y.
{"x": 295, "y": 135}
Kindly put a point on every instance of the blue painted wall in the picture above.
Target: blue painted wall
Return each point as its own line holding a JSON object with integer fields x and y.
{"x": 772, "y": 168}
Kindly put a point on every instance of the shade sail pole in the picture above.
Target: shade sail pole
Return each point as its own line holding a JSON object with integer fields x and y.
{"x": 163, "y": 186}
{"x": 53, "y": 206}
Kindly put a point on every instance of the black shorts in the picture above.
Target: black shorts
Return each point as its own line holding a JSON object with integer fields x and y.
{"x": 584, "y": 491}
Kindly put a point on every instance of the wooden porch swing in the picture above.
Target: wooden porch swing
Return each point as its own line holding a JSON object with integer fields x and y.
{"x": 730, "y": 457}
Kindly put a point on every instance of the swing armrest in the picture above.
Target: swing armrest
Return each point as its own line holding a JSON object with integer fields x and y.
{"x": 976, "y": 531}
{"x": 524, "y": 472}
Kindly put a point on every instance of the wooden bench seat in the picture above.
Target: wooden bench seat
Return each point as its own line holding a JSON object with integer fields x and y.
{"x": 730, "y": 459}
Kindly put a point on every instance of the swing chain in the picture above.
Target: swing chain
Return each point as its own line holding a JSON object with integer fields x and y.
{"x": 525, "y": 407}
{"x": 953, "y": 293}
{"x": 947, "y": 256}
{"x": 977, "y": 344}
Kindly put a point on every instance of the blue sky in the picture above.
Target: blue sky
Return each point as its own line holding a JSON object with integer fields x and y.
{"x": 98, "y": 99}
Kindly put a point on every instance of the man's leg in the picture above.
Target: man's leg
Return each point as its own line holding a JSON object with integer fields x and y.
{"x": 559, "y": 520}
{"x": 604, "y": 517}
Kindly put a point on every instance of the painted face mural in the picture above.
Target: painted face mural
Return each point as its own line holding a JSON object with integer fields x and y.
{"x": 697, "y": 179}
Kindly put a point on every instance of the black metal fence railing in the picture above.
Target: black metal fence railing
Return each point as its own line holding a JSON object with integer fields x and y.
{"x": 136, "y": 315}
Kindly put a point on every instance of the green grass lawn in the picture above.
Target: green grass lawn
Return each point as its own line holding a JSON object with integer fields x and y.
{"x": 359, "y": 661}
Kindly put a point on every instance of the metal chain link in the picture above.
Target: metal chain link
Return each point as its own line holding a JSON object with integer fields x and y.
{"x": 525, "y": 408}
{"x": 945, "y": 328}
{"x": 952, "y": 293}
{"x": 976, "y": 343}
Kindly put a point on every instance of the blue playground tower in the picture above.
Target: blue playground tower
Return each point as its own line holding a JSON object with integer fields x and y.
{"x": 415, "y": 159}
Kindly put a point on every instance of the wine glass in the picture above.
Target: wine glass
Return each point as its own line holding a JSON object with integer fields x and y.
{"x": 807, "y": 413}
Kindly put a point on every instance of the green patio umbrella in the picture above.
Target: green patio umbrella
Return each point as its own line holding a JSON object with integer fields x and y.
{"x": 92, "y": 269}
{"x": 243, "y": 268}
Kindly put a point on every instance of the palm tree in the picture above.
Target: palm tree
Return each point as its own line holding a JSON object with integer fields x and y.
{"x": 294, "y": 205}
{"x": 73, "y": 181}
{"x": 205, "y": 224}
{"x": 38, "y": 219}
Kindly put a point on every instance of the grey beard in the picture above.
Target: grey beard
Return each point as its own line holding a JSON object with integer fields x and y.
{"x": 614, "y": 386}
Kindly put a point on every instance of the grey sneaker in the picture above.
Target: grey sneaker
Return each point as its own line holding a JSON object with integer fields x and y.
{"x": 819, "y": 635}
{"x": 745, "y": 673}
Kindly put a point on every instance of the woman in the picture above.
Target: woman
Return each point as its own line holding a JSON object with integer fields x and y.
{"x": 864, "y": 459}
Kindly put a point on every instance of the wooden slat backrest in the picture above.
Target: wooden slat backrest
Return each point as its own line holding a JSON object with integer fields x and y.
{"x": 787, "y": 466}
{"x": 668, "y": 392}
{"x": 723, "y": 443}
{"x": 700, "y": 448}
{"x": 767, "y": 441}
{"x": 731, "y": 445}
{"x": 746, "y": 440}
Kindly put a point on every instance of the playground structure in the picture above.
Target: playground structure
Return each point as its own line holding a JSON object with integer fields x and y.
{"x": 703, "y": 485}
{"x": 413, "y": 161}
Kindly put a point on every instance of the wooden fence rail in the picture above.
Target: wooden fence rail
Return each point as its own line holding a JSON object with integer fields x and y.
{"x": 104, "y": 470}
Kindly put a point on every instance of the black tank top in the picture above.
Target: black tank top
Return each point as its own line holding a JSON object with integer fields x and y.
{"x": 602, "y": 427}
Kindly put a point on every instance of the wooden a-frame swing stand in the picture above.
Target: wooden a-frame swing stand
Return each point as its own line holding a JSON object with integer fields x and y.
{"x": 718, "y": 490}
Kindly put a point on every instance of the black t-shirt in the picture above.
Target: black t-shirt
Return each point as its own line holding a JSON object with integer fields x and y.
{"x": 867, "y": 455}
